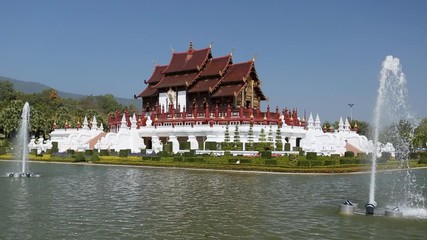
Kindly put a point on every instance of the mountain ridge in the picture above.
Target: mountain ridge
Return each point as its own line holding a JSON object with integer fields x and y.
{"x": 35, "y": 87}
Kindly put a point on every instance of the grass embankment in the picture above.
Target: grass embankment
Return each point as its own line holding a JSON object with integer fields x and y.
{"x": 283, "y": 164}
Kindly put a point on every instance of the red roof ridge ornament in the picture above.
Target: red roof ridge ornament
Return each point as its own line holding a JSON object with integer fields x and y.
{"x": 190, "y": 48}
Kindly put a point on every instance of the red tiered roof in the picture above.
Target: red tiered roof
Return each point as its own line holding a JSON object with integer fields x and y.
{"x": 229, "y": 90}
{"x": 148, "y": 92}
{"x": 191, "y": 60}
{"x": 177, "y": 80}
{"x": 216, "y": 66}
{"x": 238, "y": 72}
{"x": 157, "y": 74}
{"x": 204, "y": 85}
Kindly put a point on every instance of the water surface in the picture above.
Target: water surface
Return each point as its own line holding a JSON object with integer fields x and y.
{"x": 108, "y": 202}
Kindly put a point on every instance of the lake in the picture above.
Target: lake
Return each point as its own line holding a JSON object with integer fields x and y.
{"x": 71, "y": 201}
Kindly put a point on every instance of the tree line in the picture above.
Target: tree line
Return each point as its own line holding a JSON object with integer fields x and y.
{"x": 48, "y": 108}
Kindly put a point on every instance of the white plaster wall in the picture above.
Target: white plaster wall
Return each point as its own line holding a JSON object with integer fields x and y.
{"x": 163, "y": 100}
{"x": 182, "y": 96}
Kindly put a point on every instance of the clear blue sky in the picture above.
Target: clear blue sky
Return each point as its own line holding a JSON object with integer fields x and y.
{"x": 317, "y": 56}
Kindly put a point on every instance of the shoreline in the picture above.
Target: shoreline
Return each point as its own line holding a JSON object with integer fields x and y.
{"x": 213, "y": 169}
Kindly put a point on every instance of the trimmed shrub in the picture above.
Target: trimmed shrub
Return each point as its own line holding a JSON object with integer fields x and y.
{"x": 349, "y": 154}
{"x": 103, "y": 152}
{"x": 3, "y": 150}
{"x": 329, "y": 162}
{"x": 385, "y": 156}
{"x": 164, "y": 154}
{"x": 303, "y": 163}
{"x": 188, "y": 154}
{"x": 414, "y": 155}
{"x": 194, "y": 159}
{"x": 245, "y": 160}
{"x": 167, "y": 147}
{"x": 266, "y": 154}
{"x": 296, "y": 149}
{"x": 155, "y": 158}
{"x": 261, "y": 146}
{"x": 314, "y": 163}
{"x": 423, "y": 158}
{"x": 210, "y": 145}
{"x": 349, "y": 160}
{"x": 293, "y": 157}
{"x": 287, "y": 147}
{"x": 70, "y": 152}
{"x": 184, "y": 146}
{"x": 94, "y": 157}
{"x": 88, "y": 152}
{"x": 123, "y": 153}
{"x": 270, "y": 162}
{"x": 177, "y": 159}
{"x": 79, "y": 157}
{"x": 33, "y": 151}
{"x": 311, "y": 156}
{"x": 241, "y": 160}
{"x": 54, "y": 147}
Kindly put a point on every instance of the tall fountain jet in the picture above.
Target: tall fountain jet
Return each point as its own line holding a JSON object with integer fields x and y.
{"x": 391, "y": 110}
{"x": 22, "y": 143}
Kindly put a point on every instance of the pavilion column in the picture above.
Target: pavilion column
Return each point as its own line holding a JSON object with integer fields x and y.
{"x": 194, "y": 144}
{"x": 293, "y": 141}
{"x": 156, "y": 145}
{"x": 175, "y": 144}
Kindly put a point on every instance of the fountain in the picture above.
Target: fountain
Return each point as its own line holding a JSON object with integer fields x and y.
{"x": 391, "y": 111}
{"x": 22, "y": 143}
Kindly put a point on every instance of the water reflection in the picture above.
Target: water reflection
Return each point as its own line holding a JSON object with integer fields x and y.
{"x": 99, "y": 202}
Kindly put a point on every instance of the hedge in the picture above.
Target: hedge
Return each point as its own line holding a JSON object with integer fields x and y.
{"x": 385, "y": 156}
{"x": 266, "y": 154}
{"x": 311, "y": 156}
{"x": 241, "y": 160}
{"x": 329, "y": 162}
{"x": 287, "y": 147}
{"x": 123, "y": 153}
{"x": 270, "y": 162}
{"x": 423, "y": 158}
{"x": 3, "y": 150}
{"x": 54, "y": 147}
{"x": 88, "y": 152}
{"x": 349, "y": 154}
{"x": 194, "y": 159}
{"x": 79, "y": 157}
{"x": 211, "y": 146}
{"x": 184, "y": 146}
{"x": 103, "y": 152}
{"x": 349, "y": 160}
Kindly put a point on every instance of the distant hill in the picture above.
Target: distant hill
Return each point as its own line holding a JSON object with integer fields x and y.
{"x": 34, "y": 87}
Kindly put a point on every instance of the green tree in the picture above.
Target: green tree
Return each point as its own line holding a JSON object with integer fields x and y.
{"x": 10, "y": 117}
{"x": 262, "y": 137}
{"x": 236, "y": 134}
{"x": 7, "y": 92}
{"x": 363, "y": 128}
{"x": 227, "y": 134}
{"x": 270, "y": 135}
{"x": 279, "y": 139}
{"x": 251, "y": 135}
{"x": 420, "y": 134}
